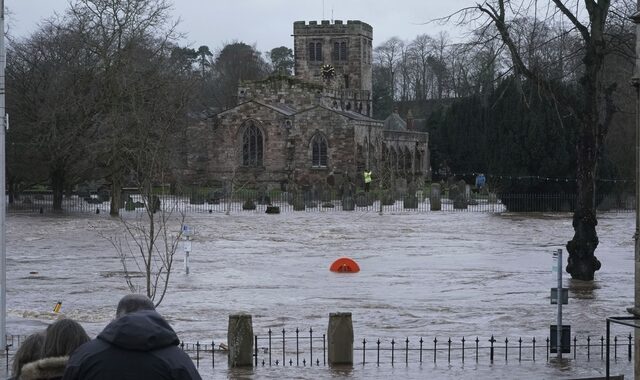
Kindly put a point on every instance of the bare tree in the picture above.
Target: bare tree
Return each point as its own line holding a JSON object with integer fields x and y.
{"x": 112, "y": 30}
{"x": 157, "y": 101}
{"x": 593, "y": 112}
{"x": 387, "y": 55}
{"x": 146, "y": 248}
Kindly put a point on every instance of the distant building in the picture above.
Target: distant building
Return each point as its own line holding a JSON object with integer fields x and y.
{"x": 311, "y": 130}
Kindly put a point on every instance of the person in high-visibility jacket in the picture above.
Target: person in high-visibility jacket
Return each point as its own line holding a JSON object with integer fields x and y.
{"x": 367, "y": 180}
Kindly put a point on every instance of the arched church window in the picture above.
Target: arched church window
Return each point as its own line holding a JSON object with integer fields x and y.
{"x": 339, "y": 52}
{"x": 252, "y": 146}
{"x": 318, "y": 151}
{"x": 315, "y": 51}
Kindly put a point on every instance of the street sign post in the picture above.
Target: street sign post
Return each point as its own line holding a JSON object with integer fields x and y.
{"x": 562, "y": 335}
{"x": 187, "y": 232}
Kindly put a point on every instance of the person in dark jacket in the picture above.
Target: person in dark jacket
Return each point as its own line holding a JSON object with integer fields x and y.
{"x": 139, "y": 344}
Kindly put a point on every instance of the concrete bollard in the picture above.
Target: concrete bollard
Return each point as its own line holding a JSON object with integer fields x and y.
{"x": 434, "y": 198}
{"x": 340, "y": 339}
{"x": 240, "y": 340}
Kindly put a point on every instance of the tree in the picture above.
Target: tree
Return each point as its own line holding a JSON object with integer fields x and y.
{"x": 386, "y": 57}
{"x": 114, "y": 31}
{"x": 49, "y": 79}
{"x": 282, "y": 60}
{"x": 144, "y": 88}
{"x": 234, "y": 63}
{"x": 593, "y": 111}
{"x": 203, "y": 54}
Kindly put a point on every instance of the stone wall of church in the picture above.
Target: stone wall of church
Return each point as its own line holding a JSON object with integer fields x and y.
{"x": 282, "y": 90}
{"x": 216, "y": 156}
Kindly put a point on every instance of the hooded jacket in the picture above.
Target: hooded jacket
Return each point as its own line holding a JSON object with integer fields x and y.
{"x": 47, "y": 368}
{"x": 139, "y": 345}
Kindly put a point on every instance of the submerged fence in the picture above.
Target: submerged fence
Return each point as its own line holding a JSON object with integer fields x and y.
{"x": 257, "y": 202}
{"x": 297, "y": 348}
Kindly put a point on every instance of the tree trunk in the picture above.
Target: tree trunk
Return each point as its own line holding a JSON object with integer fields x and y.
{"x": 582, "y": 262}
{"x": 57, "y": 187}
{"x": 116, "y": 197}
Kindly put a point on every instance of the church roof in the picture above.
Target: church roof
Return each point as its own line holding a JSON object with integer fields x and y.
{"x": 279, "y": 107}
{"x": 353, "y": 115}
{"x": 348, "y": 114}
{"x": 394, "y": 123}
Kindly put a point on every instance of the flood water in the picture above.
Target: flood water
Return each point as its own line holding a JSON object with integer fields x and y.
{"x": 439, "y": 274}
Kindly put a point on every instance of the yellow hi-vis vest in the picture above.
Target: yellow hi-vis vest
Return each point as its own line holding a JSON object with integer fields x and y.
{"x": 367, "y": 176}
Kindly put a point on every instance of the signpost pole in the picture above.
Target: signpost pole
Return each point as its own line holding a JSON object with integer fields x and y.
{"x": 559, "y": 321}
{"x": 3, "y": 252}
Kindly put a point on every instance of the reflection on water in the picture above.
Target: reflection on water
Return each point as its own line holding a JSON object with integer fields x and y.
{"x": 422, "y": 275}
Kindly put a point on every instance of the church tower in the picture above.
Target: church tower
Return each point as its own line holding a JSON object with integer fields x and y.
{"x": 338, "y": 56}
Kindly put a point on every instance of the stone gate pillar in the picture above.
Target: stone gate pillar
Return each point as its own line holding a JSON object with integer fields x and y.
{"x": 240, "y": 340}
{"x": 340, "y": 339}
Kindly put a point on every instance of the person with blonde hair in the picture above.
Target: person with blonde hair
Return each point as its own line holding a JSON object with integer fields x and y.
{"x": 29, "y": 351}
{"x": 61, "y": 339}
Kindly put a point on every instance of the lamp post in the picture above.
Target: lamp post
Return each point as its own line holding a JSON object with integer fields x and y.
{"x": 3, "y": 192}
{"x": 635, "y": 310}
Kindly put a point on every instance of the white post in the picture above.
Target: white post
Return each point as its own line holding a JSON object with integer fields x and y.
{"x": 559, "y": 318}
{"x": 187, "y": 248}
{"x": 187, "y": 232}
{"x": 3, "y": 192}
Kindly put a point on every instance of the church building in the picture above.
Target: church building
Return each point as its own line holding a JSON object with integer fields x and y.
{"x": 312, "y": 130}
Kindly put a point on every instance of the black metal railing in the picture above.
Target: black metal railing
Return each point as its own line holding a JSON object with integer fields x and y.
{"x": 302, "y": 348}
{"x": 298, "y": 348}
{"x": 257, "y": 202}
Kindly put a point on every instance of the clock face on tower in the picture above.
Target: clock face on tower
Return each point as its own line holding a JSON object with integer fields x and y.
{"x": 327, "y": 71}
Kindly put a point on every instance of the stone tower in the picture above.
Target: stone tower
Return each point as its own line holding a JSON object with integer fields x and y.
{"x": 345, "y": 50}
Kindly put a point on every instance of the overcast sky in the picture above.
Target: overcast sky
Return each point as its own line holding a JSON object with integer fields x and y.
{"x": 269, "y": 23}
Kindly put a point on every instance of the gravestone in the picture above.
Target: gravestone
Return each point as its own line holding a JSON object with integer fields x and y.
{"x": 348, "y": 204}
{"x": 387, "y": 198}
{"x": 249, "y": 205}
{"x": 456, "y": 193}
{"x": 196, "y": 198}
{"x": 298, "y": 202}
{"x": 410, "y": 200}
{"x": 435, "y": 198}
{"x": 155, "y": 204}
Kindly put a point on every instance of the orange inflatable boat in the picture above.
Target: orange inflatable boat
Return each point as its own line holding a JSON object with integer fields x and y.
{"x": 345, "y": 265}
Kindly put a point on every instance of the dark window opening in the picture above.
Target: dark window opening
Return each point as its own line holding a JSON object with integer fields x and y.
{"x": 252, "y": 146}
{"x": 319, "y": 152}
{"x": 339, "y": 52}
{"x": 315, "y": 51}
{"x": 312, "y": 51}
